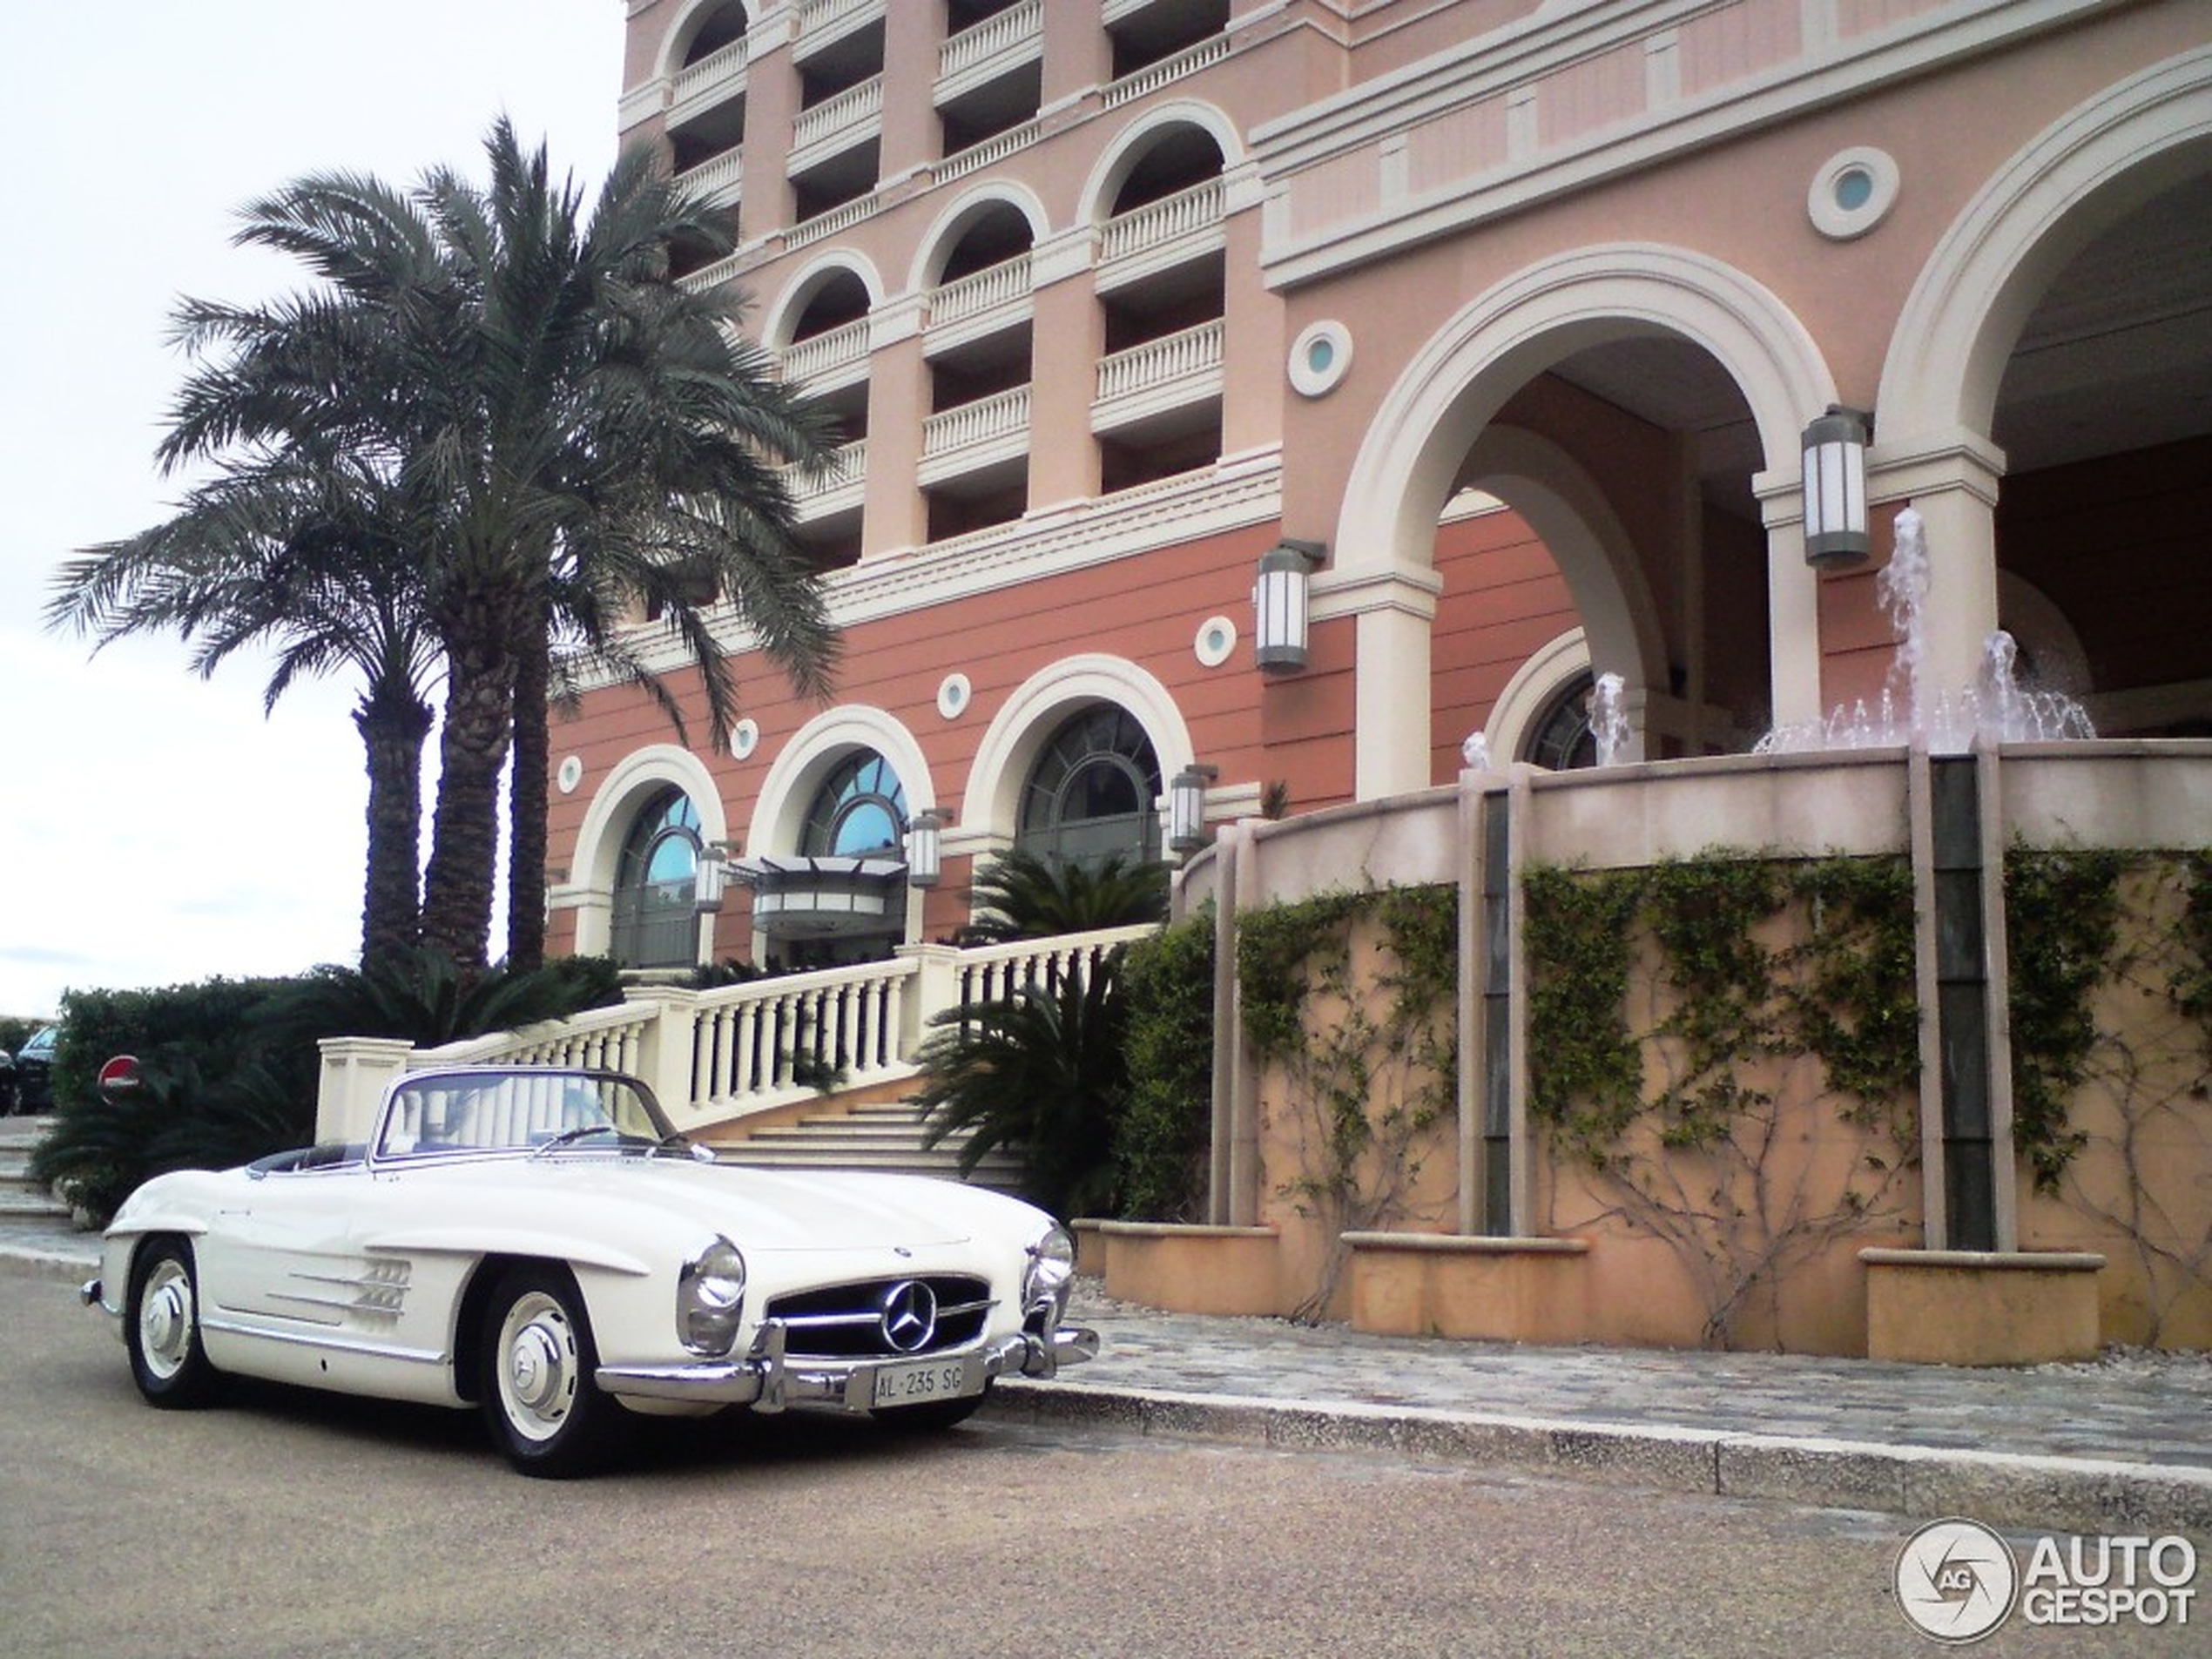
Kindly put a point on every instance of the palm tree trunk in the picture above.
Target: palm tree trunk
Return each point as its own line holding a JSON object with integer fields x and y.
{"x": 526, "y": 795}
{"x": 393, "y": 725}
{"x": 464, "y": 831}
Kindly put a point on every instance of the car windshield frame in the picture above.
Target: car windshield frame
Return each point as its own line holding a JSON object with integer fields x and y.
{"x": 516, "y": 1111}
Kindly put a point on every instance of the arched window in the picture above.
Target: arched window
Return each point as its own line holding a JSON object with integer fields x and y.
{"x": 1091, "y": 791}
{"x": 654, "y": 923}
{"x": 1561, "y": 738}
{"x": 860, "y": 809}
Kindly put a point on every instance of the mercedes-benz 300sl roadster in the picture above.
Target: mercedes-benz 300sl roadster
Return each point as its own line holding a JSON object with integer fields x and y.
{"x": 540, "y": 1244}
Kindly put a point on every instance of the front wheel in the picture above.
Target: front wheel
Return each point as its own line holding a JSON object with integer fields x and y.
{"x": 161, "y": 1329}
{"x": 544, "y": 1411}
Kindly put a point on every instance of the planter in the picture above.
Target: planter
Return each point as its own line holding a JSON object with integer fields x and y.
{"x": 1193, "y": 1269}
{"x": 1967, "y": 1307}
{"x": 1440, "y": 1285}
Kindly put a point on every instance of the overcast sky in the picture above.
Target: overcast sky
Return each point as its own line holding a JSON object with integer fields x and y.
{"x": 156, "y": 830}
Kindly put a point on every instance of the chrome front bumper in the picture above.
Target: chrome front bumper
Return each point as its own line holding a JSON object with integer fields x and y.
{"x": 768, "y": 1381}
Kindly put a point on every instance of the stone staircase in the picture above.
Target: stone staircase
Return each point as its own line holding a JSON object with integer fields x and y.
{"x": 29, "y": 1217}
{"x": 884, "y": 1136}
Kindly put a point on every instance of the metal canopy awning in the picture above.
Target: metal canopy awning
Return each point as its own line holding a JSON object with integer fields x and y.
{"x": 798, "y": 897}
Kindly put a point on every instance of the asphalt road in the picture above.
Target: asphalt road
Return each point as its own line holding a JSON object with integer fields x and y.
{"x": 299, "y": 1525}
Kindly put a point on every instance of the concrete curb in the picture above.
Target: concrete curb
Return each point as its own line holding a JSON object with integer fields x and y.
{"x": 21, "y": 1263}
{"x": 2004, "y": 1489}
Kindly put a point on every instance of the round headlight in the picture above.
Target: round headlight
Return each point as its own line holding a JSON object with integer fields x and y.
{"x": 710, "y": 1299}
{"x": 1052, "y": 1263}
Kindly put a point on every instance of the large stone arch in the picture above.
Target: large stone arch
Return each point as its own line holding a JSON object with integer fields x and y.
{"x": 779, "y": 811}
{"x": 1027, "y": 719}
{"x": 1957, "y": 329}
{"x": 783, "y": 316}
{"x": 1561, "y": 500}
{"x": 607, "y": 820}
{"x": 1434, "y": 414}
{"x": 1106, "y": 176}
{"x": 943, "y": 234}
{"x": 2056, "y": 196}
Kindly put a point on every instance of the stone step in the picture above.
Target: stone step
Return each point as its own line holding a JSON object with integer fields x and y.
{"x": 23, "y": 1206}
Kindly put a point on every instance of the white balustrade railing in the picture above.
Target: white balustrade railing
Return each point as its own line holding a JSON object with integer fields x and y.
{"x": 847, "y": 469}
{"x": 611, "y": 1038}
{"x": 818, "y": 15}
{"x": 712, "y": 74}
{"x": 993, "y": 973}
{"x": 835, "y": 222}
{"x": 998, "y": 285}
{"x": 824, "y": 353}
{"x": 1153, "y": 77}
{"x": 1162, "y": 221}
{"x": 1002, "y": 415}
{"x": 719, "y": 1055}
{"x": 1161, "y": 363}
{"x": 717, "y": 177}
{"x": 976, "y": 156}
{"x": 762, "y": 1044}
{"x": 852, "y": 108}
{"x": 998, "y": 33}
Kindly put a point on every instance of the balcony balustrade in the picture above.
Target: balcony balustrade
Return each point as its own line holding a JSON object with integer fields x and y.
{"x": 962, "y": 439}
{"x": 1171, "y": 372}
{"x": 827, "y": 360}
{"x": 990, "y": 48}
{"x": 835, "y": 123}
{"x": 721, "y": 178}
{"x": 718, "y": 76}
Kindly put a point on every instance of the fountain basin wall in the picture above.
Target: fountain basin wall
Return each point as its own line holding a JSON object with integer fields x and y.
{"x": 2138, "y": 1191}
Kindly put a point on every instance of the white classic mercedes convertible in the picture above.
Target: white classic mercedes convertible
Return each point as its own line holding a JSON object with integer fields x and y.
{"x": 539, "y": 1243}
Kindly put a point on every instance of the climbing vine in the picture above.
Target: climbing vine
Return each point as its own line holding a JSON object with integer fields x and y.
{"x": 2062, "y": 920}
{"x": 1368, "y": 1056}
{"x": 1670, "y": 1006}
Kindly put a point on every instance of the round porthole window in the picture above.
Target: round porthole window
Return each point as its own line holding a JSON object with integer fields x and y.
{"x": 745, "y": 737}
{"x": 1852, "y": 193}
{"x": 952, "y": 695}
{"x": 1319, "y": 358}
{"x": 570, "y": 775}
{"x": 1216, "y": 641}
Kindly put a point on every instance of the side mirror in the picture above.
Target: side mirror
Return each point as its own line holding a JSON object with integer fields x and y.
{"x": 121, "y": 1079}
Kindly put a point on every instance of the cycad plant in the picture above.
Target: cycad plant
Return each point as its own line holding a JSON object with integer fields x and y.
{"x": 1042, "y": 1074}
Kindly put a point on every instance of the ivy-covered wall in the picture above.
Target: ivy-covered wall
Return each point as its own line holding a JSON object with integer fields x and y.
{"x": 1722, "y": 1067}
{"x": 2111, "y": 997}
{"x": 1348, "y": 1003}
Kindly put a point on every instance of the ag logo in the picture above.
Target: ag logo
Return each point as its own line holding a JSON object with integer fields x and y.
{"x": 1956, "y": 1579}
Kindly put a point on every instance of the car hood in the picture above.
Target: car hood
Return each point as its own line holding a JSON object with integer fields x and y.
{"x": 757, "y": 1210}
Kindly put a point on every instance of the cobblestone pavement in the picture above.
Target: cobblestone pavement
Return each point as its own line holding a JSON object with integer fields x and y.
{"x": 2122, "y": 1443}
{"x": 2127, "y": 1407}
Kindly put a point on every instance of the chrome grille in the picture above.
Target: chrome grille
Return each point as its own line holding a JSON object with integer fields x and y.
{"x": 847, "y": 1321}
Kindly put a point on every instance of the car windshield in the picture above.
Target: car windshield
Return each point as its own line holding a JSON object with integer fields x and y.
{"x": 522, "y": 1110}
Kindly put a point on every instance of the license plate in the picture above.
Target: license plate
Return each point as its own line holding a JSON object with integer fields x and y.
{"x": 913, "y": 1382}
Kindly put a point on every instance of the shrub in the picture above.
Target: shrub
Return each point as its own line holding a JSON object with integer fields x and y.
{"x": 230, "y": 1067}
{"x": 1162, "y": 1139}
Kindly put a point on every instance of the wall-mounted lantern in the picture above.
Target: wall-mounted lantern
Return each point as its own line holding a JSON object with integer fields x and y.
{"x": 925, "y": 847}
{"x": 1835, "y": 461}
{"x": 1279, "y": 603}
{"x": 1187, "y": 807}
{"x": 711, "y": 875}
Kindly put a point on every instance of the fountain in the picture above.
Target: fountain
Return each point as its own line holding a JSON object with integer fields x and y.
{"x": 1609, "y": 718}
{"x": 1997, "y": 706}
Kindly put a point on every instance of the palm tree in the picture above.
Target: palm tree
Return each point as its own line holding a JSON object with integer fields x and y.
{"x": 308, "y": 559}
{"x": 1019, "y": 896}
{"x": 595, "y": 441}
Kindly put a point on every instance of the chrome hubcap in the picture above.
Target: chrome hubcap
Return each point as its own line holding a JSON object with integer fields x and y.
{"x": 540, "y": 1370}
{"x": 164, "y": 1320}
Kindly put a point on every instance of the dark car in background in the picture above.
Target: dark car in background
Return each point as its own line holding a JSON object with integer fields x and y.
{"x": 35, "y": 1071}
{"x": 7, "y": 1081}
